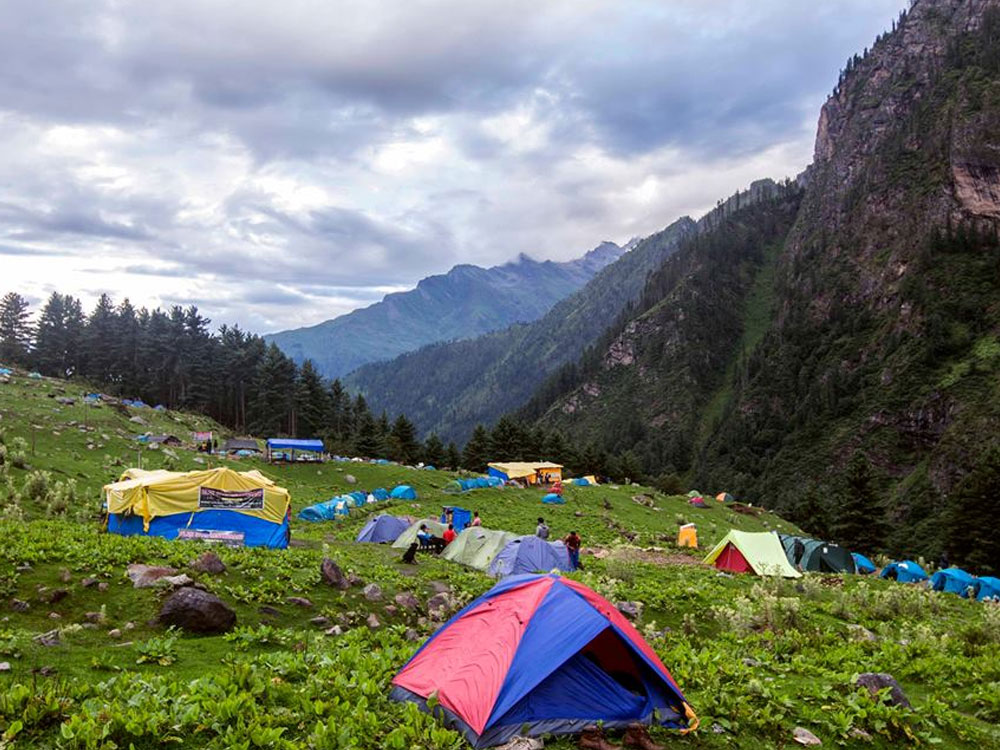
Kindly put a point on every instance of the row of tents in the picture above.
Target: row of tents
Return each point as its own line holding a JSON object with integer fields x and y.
{"x": 340, "y": 506}
{"x": 499, "y": 553}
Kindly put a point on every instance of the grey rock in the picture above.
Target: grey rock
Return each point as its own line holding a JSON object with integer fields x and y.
{"x": 355, "y": 580}
{"x": 209, "y": 562}
{"x": 805, "y": 737}
{"x": 861, "y": 633}
{"x": 439, "y": 587}
{"x": 102, "y": 586}
{"x": 332, "y": 574}
{"x": 269, "y": 611}
{"x": 93, "y": 617}
{"x": 372, "y": 621}
{"x": 89, "y": 582}
{"x": 19, "y": 606}
{"x": 439, "y": 602}
{"x": 391, "y": 610}
{"x": 197, "y": 611}
{"x": 335, "y": 630}
{"x": 175, "y": 581}
{"x": 350, "y": 479}
{"x": 50, "y": 638}
{"x": 299, "y": 601}
{"x": 56, "y": 595}
{"x": 55, "y": 616}
{"x": 411, "y": 634}
{"x": 65, "y": 576}
{"x": 407, "y": 600}
{"x": 373, "y": 592}
{"x": 631, "y": 610}
{"x": 114, "y": 633}
{"x": 4, "y": 666}
{"x": 146, "y": 576}
{"x": 320, "y": 621}
{"x": 876, "y": 681}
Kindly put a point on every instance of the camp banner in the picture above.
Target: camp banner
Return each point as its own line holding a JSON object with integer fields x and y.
{"x": 231, "y": 499}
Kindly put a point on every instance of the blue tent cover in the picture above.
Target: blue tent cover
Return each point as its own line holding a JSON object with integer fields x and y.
{"x": 953, "y": 581}
{"x": 256, "y": 531}
{"x": 905, "y": 571}
{"x": 460, "y": 517}
{"x": 383, "y": 529}
{"x": 288, "y": 444}
{"x": 529, "y": 554}
{"x": 863, "y": 564}
{"x": 987, "y": 587}
{"x": 403, "y": 492}
{"x": 553, "y": 498}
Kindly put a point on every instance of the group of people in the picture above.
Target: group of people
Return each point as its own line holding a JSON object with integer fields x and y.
{"x": 571, "y": 540}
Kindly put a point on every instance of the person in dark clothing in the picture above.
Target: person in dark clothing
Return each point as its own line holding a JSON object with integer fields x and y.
{"x": 798, "y": 550}
{"x": 542, "y": 530}
{"x": 572, "y": 542}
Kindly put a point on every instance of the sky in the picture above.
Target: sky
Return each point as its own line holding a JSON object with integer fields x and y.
{"x": 279, "y": 164}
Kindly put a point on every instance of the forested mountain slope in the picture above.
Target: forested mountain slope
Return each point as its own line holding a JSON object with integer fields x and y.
{"x": 465, "y": 302}
{"x": 873, "y": 340}
{"x": 449, "y": 388}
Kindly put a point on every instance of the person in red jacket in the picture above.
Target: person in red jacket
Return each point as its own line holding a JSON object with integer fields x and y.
{"x": 572, "y": 542}
{"x": 449, "y": 534}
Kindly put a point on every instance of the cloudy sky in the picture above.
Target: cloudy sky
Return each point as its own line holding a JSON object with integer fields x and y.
{"x": 279, "y": 163}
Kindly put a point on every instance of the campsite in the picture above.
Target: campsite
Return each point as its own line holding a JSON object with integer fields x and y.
{"x": 311, "y": 663}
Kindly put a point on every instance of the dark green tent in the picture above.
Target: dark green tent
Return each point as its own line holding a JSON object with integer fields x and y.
{"x": 819, "y": 557}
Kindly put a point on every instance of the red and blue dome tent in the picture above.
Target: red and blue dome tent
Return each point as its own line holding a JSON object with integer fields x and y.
{"x": 540, "y": 654}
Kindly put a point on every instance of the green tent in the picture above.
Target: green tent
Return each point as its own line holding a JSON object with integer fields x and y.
{"x": 752, "y": 552}
{"x": 817, "y": 556}
{"x": 476, "y": 547}
{"x": 409, "y": 536}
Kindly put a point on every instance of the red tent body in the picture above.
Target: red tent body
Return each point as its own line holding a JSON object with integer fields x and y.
{"x": 732, "y": 559}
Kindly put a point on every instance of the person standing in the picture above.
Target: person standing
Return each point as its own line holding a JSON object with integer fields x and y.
{"x": 476, "y": 521}
{"x": 542, "y": 530}
{"x": 572, "y": 542}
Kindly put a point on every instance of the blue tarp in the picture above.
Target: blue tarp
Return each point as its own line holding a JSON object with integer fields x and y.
{"x": 553, "y": 498}
{"x": 987, "y": 587}
{"x": 580, "y": 482}
{"x": 403, "y": 492}
{"x": 288, "y": 444}
{"x": 383, "y": 529}
{"x": 529, "y": 554}
{"x": 953, "y": 580}
{"x": 381, "y": 493}
{"x": 863, "y": 565}
{"x": 256, "y": 531}
{"x": 478, "y": 483}
{"x": 429, "y": 468}
{"x": 6, "y": 371}
{"x": 325, "y": 511}
{"x": 460, "y": 517}
{"x": 905, "y": 571}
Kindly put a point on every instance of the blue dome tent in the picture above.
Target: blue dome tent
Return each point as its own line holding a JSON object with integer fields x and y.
{"x": 529, "y": 554}
{"x": 905, "y": 571}
{"x": 383, "y": 529}
{"x": 381, "y": 493}
{"x": 553, "y": 499}
{"x": 403, "y": 492}
{"x": 987, "y": 587}
{"x": 863, "y": 565}
{"x": 953, "y": 580}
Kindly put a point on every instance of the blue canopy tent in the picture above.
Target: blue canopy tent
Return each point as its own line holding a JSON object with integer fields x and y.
{"x": 862, "y": 564}
{"x": 460, "y": 517}
{"x": 381, "y": 493}
{"x": 553, "y": 499}
{"x": 987, "y": 587}
{"x": 905, "y": 571}
{"x": 953, "y": 580}
{"x": 284, "y": 449}
{"x": 383, "y": 529}
{"x": 403, "y": 492}
{"x": 529, "y": 554}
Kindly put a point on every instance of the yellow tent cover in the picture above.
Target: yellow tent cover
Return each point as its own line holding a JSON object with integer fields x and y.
{"x": 522, "y": 469}
{"x": 761, "y": 549}
{"x": 162, "y": 493}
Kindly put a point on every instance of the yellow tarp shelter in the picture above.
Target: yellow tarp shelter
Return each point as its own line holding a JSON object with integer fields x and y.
{"x": 687, "y": 536}
{"x": 532, "y": 472}
{"x": 152, "y": 495}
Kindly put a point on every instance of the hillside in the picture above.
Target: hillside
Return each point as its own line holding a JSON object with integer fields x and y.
{"x": 449, "y": 388}
{"x": 866, "y": 326}
{"x": 309, "y": 665}
{"x": 463, "y": 303}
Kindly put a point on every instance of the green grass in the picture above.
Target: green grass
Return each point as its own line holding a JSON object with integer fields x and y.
{"x": 755, "y": 658}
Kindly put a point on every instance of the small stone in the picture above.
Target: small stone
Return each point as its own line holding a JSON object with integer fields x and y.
{"x": 23, "y": 567}
{"x": 320, "y": 621}
{"x": 439, "y": 587}
{"x": 56, "y": 595}
{"x": 335, "y": 630}
{"x": 146, "y": 576}
{"x": 372, "y": 621}
{"x": 373, "y": 592}
{"x": 65, "y": 576}
{"x": 51, "y": 638}
{"x": 114, "y": 633}
{"x": 718, "y": 729}
{"x": 176, "y": 581}
{"x": 332, "y": 574}
{"x": 299, "y": 601}
{"x": 859, "y": 734}
{"x": 805, "y": 737}
{"x": 102, "y": 586}
{"x": 354, "y": 579}
{"x": 93, "y": 616}
{"x": 407, "y": 600}
{"x": 391, "y": 610}
{"x": 877, "y": 681}
{"x": 4, "y": 666}
{"x": 411, "y": 635}
{"x": 751, "y": 662}
{"x": 209, "y": 562}
{"x": 631, "y": 610}
{"x": 129, "y": 626}
{"x": 19, "y": 606}
{"x": 439, "y": 603}
{"x": 88, "y": 582}
{"x": 350, "y": 479}
{"x": 861, "y": 633}
{"x": 269, "y": 611}
{"x": 578, "y": 513}
{"x": 55, "y": 616}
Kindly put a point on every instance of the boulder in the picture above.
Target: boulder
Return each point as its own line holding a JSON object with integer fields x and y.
{"x": 805, "y": 737}
{"x": 373, "y": 592}
{"x": 861, "y": 633}
{"x": 876, "y": 681}
{"x": 407, "y": 600}
{"x": 631, "y": 610}
{"x": 208, "y": 562}
{"x": 299, "y": 601}
{"x": 197, "y": 611}
{"x": 333, "y": 575}
{"x": 146, "y": 576}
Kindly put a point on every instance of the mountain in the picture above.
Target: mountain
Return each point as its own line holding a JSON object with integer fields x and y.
{"x": 837, "y": 346}
{"x": 448, "y": 388}
{"x": 465, "y": 302}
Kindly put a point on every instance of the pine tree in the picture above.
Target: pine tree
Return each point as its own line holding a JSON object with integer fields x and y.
{"x": 970, "y": 541}
{"x": 312, "y": 405}
{"x": 453, "y": 457}
{"x": 403, "y": 444}
{"x": 629, "y": 467}
{"x": 477, "y": 451}
{"x": 367, "y": 442}
{"x": 810, "y": 514}
{"x": 507, "y": 440}
{"x": 857, "y": 518}
{"x": 98, "y": 341}
{"x": 15, "y": 330}
{"x": 434, "y": 452}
